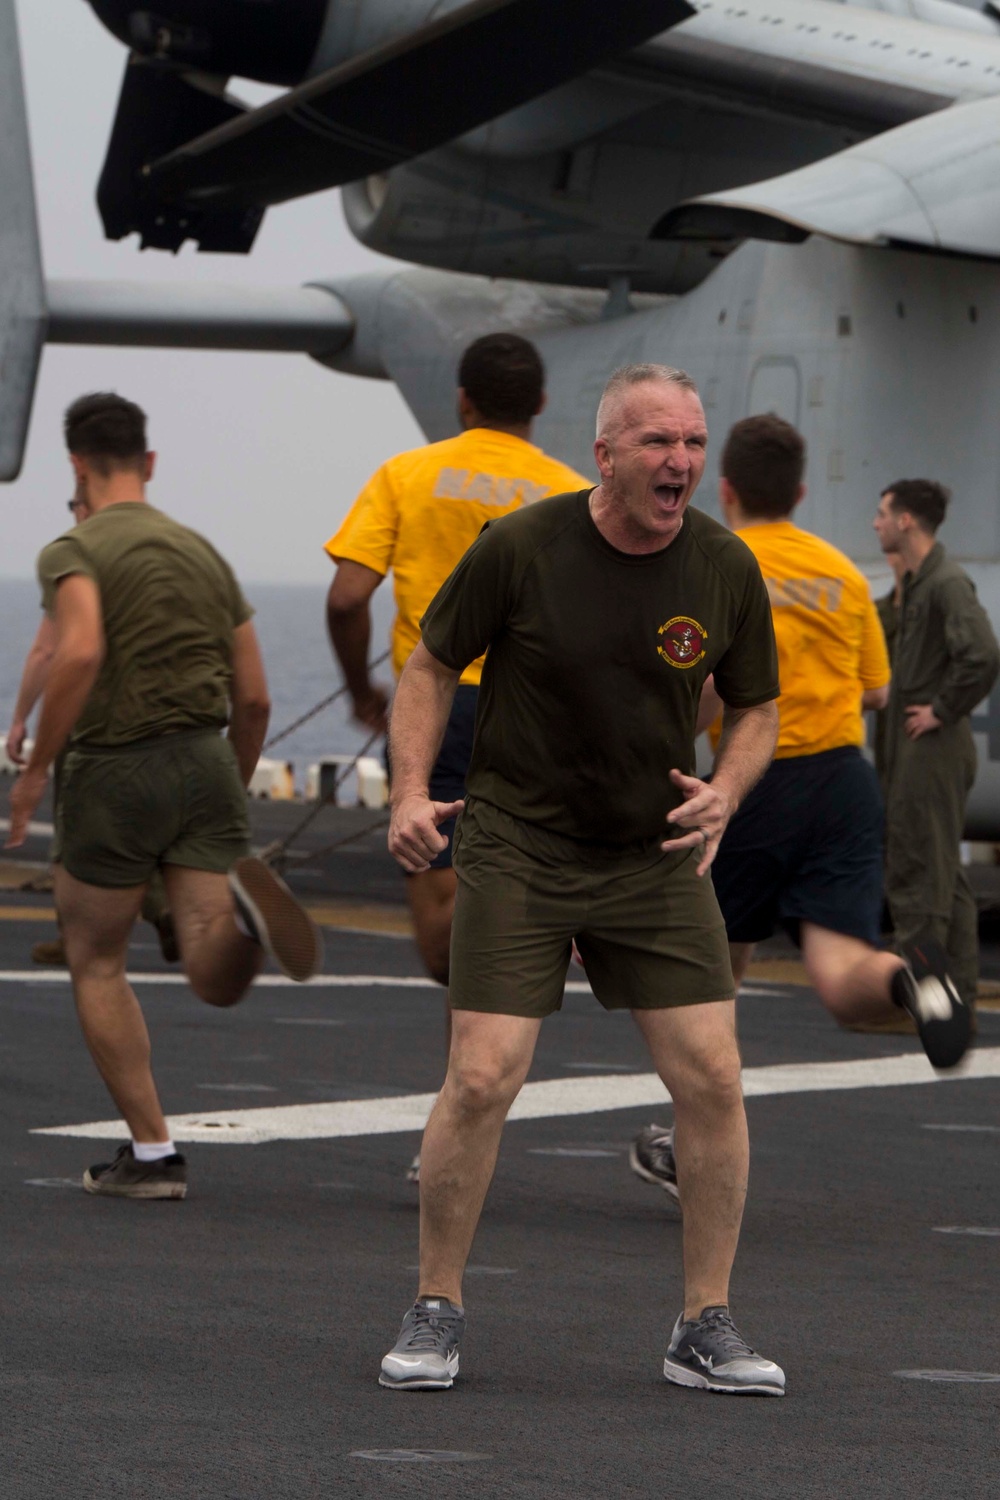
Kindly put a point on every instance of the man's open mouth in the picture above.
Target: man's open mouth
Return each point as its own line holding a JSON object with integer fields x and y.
{"x": 670, "y": 494}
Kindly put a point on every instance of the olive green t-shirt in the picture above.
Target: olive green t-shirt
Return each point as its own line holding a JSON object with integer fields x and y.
{"x": 596, "y": 660}
{"x": 169, "y": 604}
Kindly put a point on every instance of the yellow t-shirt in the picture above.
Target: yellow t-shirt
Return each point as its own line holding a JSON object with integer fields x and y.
{"x": 830, "y": 642}
{"x": 420, "y": 513}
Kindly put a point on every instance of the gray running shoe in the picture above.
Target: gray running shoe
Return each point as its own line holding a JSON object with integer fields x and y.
{"x": 413, "y": 1170}
{"x": 710, "y": 1354}
{"x": 425, "y": 1356}
{"x": 275, "y": 919}
{"x": 651, "y": 1157}
{"x": 924, "y": 990}
{"x": 127, "y": 1178}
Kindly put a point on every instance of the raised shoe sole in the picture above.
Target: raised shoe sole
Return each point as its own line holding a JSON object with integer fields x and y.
{"x": 285, "y": 929}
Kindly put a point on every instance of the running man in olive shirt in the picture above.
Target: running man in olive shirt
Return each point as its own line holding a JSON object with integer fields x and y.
{"x": 603, "y": 613}
{"x": 154, "y": 653}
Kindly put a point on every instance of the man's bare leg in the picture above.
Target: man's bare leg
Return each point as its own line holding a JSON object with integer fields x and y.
{"x": 852, "y": 978}
{"x": 219, "y": 960}
{"x": 96, "y": 923}
{"x": 694, "y": 1050}
{"x": 431, "y": 895}
{"x": 490, "y": 1058}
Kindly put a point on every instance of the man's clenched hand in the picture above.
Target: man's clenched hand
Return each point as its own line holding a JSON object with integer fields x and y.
{"x": 413, "y": 831}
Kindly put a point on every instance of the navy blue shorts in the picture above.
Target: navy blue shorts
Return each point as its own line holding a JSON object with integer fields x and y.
{"x": 805, "y": 846}
{"x": 452, "y": 764}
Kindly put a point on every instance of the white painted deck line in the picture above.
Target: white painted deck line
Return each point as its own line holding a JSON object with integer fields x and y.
{"x": 551, "y": 1098}
{"x": 269, "y": 981}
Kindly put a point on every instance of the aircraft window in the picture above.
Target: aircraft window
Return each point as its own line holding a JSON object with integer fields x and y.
{"x": 722, "y": 315}
{"x": 900, "y": 310}
{"x": 973, "y": 314}
{"x": 843, "y": 325}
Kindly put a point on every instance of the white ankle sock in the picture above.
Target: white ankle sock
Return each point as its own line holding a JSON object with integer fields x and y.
{"x": 152, "y": 1150}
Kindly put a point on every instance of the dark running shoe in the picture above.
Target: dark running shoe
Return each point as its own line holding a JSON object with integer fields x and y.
{"x": 425, "y": 1356}
{"x": 167, "y": 934}
{"x": 127, "y": 1178}
{"x": 651, "y": 1157}
{"x": 275, "y": 919}
{"x": 925, "y": 991}
{"x": 711, "y": 1355}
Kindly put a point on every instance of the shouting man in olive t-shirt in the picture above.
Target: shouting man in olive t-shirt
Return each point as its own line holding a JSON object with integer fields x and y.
{"x": 603, "y": 613}
{"x": 154, "y": 653}
{"x": 416, "y": 517}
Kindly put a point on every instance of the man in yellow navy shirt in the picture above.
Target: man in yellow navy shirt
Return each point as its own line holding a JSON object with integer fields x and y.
{"x": 417, "y": 516}
{"x": 805, "y": 847}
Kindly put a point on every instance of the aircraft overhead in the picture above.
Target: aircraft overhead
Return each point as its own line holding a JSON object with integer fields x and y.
{"x": 797, "y": 200}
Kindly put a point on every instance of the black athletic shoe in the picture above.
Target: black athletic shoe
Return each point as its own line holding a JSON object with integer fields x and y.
{"x": 651, "y": 1157}
{"x": 127, "y": 1178}
{"x": 711, "y": 1355}
{"x": 925, "y": 991}
{"x": 425, "y": 1356}
{"x": 167, "y": 934}
{"x": 275, "y": 919}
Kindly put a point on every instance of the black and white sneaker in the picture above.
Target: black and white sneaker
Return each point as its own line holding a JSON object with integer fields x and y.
{"x": 425, "y": 1356}
{"x": 710, "y": 1354}
{"x": 925, "y": 991}
{"x": 275, "y": 920}
{"x": 651, "y": 1157}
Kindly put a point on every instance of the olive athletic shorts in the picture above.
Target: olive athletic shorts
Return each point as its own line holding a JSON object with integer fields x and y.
{"x": 649, "y": 930}
{"x": 125, "y": 811}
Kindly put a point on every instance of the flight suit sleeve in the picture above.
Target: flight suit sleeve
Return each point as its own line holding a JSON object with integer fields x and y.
{"x": 370, "y": 528}
{"x": 747, "y": 672}
{"x": 59, "y": 560}
{"x": 472, "y": 606}
{"x": 971, "y": 646}
{"x": 873, "y": 668}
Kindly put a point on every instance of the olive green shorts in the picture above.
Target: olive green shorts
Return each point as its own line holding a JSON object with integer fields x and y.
{"x": 649, "y": 930}
{"x": 177, "y": 800}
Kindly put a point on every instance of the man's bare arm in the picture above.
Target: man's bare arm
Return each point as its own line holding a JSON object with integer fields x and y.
{"x": 749, "y": 736}
{"x": 72, "y": 673}
{"x": 875, "y": 697}
{"x": 710, "y": 705}
{"x": 36, "y": 668}
{"x": 348, "y": 620}
{"x": 419, "y": 717}
{"x": 251, "y": 703}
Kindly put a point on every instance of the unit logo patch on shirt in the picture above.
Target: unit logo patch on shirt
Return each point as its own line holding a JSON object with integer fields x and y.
{"x": 682, "y": 641}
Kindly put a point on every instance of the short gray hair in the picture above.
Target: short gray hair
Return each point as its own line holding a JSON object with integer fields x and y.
{"x": 628, "y": 375}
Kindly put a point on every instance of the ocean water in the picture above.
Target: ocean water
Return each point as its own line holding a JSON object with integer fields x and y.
{"x": 291, "y": 623}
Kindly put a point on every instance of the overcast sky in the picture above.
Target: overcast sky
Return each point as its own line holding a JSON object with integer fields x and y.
{"x": 262, "y": 452}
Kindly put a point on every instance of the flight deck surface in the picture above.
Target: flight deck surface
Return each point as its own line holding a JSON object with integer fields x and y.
{"x": 228, "y": 1347}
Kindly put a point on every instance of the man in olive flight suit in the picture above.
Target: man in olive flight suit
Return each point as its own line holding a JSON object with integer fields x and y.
{"x": 945, "y": 661}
